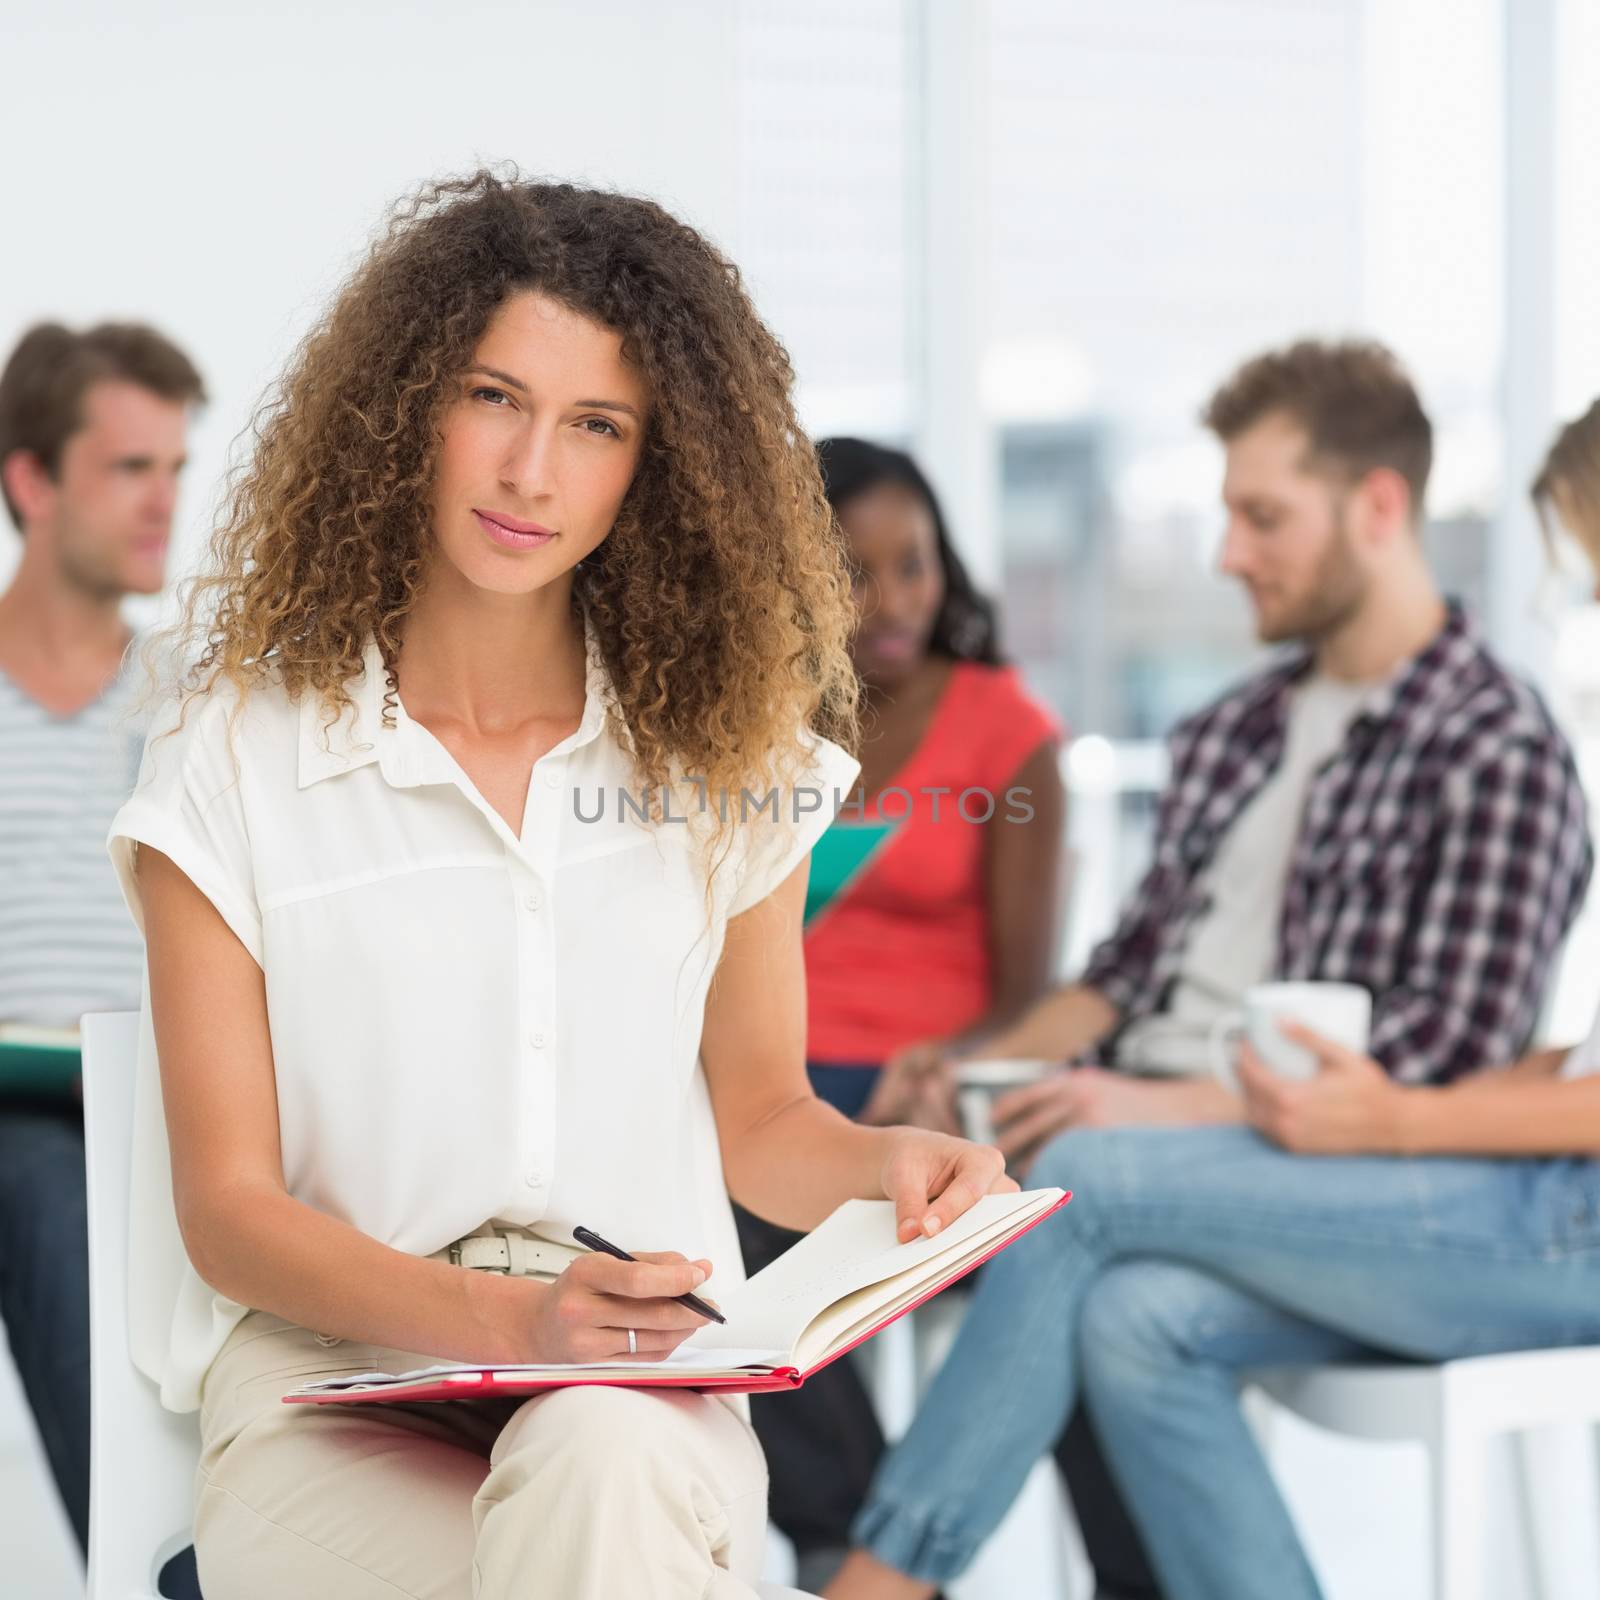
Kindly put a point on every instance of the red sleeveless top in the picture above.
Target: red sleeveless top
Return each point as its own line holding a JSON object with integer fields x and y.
{"x": 901, "y": 951}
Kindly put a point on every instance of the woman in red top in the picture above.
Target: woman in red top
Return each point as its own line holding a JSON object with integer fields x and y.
{"x": 944, "y": 927}
{"x": 932, "y": 910}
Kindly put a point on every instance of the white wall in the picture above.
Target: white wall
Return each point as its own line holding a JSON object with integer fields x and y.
{"x": 214, "y": 167}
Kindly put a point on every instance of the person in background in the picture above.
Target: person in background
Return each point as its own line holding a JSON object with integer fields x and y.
{"x": 1566, "y": 490}
{"x": 1386, "y": 807}
{"x": 1439, "y": 1220}
{"x": 945, "y": 933}
{"x": 92, "y": 444}
{"x": 932, "y": 912}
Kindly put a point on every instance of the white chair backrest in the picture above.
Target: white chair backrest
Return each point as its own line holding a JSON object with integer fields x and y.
{"x": 142, "y": 1456}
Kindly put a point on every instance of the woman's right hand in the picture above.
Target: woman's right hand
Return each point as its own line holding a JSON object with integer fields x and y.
{"x": 915, "y": 1088}
{"x": 586, "y": 1313}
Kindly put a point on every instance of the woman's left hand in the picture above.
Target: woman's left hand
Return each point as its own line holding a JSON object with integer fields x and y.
{"x": 1351, "y": 1107}
{"x": 932, "y": 1178}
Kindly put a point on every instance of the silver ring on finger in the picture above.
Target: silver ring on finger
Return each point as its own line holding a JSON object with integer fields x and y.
{"x": 633, "y": 1343}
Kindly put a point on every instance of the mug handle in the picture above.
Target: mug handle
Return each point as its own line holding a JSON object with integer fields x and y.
{"x": 1226, "y": 1032}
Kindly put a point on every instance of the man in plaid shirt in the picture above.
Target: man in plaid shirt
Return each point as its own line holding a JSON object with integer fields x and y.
{"x": 1387, "y": 807}
{"x": 1441, "y": 855}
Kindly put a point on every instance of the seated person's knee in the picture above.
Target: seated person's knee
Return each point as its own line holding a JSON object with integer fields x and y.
{"x": 1146, "y": 1312}
{"x": 1081, "y": 1159}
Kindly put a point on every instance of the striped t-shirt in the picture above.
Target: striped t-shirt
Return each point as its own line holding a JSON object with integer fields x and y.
{"x": 67, "y": 943}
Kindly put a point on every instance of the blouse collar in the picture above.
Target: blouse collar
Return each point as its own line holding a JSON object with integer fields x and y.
{"x": 368, "y": 731}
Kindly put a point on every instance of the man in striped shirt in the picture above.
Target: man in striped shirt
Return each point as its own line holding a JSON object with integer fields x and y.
{"x": 92, "y": 430}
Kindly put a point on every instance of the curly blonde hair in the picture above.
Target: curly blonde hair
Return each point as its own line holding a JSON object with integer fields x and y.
{"x": 720, "y": 600}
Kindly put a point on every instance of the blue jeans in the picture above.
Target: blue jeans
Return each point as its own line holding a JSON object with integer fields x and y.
{"x": 44, "y": 1297}
{"x": 846, "y": 1088}
{"x": 1187, "y": 1255}
{"x": 44, "y": 1284}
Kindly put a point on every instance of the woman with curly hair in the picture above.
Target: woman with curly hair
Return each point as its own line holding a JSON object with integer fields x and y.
{"x": 463, "y": 928}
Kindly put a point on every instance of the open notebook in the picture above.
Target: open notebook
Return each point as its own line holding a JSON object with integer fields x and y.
{"x": 838, "y": 1286}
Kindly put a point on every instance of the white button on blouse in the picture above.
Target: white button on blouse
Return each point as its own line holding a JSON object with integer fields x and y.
{"x": 444, "y": 1057}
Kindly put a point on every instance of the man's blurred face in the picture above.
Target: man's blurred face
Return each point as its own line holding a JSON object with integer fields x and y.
{"x": 1287, "y": 539}
{"x": 109, "y": 510}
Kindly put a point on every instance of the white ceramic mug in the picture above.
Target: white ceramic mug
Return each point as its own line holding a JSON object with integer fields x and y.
{"x": 1341, "y": 1012}
{"x": 980, "y": 1083}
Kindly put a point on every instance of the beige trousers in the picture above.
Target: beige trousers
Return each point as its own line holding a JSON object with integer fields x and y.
{"x": 577, "y": 1494}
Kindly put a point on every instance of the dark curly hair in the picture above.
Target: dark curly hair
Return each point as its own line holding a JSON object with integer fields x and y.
{"x": 720, "y": 599}
{"x": 965, "y": 629}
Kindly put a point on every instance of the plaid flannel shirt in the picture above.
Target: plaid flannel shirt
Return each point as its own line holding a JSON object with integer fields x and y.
{"x": 1443, "y": 853}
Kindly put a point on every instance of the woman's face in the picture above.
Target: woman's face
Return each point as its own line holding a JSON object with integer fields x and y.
{"x": 899, "y": 579}
{"x": 538, "y": 447}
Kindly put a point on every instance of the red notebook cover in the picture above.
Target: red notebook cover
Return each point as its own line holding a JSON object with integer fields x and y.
{"x": 473, "y": 1383}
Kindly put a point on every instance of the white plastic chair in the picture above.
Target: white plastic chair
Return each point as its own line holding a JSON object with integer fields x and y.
{"x": 1550, "y": 1399}
{"x": 142, "y": 1456}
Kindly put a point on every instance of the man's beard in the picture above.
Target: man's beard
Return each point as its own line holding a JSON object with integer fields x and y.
{"x": 91, "y": 569}
{"x": 1337, "y": 591}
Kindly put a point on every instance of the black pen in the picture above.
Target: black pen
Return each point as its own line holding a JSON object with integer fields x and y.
{"x": 592, "y": 1240}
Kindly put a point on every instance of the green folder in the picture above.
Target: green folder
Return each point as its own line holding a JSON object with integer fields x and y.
{"x": 30, "y": 1068}
{"x": 839, "y": 857}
